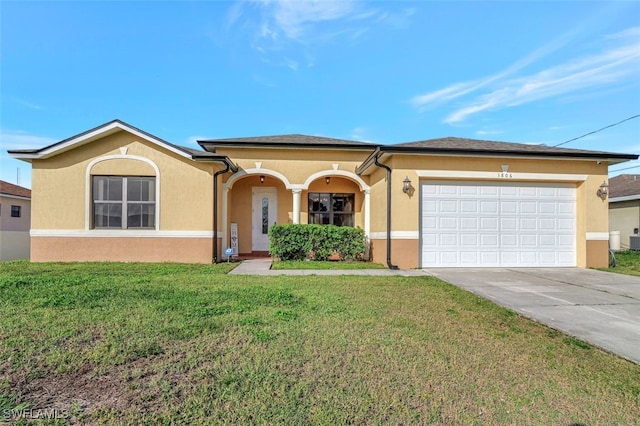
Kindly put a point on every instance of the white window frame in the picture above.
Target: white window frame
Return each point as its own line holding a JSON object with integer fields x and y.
{"x": 124, "y": 202}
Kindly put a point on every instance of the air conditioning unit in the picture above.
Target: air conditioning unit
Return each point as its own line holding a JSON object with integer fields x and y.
{"x": 634, "y": 242}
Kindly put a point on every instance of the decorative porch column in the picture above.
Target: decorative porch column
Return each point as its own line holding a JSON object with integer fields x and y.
{"x": 296, "y": 204}
{"x": 367, "y": 212}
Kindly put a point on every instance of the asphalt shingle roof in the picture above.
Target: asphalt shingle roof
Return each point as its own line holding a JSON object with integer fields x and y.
{"x": 11, "y": 189}
{"x": 476, "y": 145}
{"x": 624, "y": 186}
{"x": 293, "y": 140}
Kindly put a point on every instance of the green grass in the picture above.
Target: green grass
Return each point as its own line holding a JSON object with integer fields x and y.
{"x": 187, "y": 344}
{"x": 628, "y": 262}
{"x": 312, "y": 264}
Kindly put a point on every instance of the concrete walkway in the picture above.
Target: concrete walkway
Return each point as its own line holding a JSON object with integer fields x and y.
{"x": 263, "y": 267}
{"x": 595, "y": 306}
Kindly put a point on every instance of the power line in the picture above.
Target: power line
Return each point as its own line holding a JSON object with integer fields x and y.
{"x": 626, "y": 168}
{"x": 599, "y": 130}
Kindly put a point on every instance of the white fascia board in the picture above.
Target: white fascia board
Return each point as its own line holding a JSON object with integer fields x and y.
{"x": 18, "y": 197}
{"x": 88, "y": 137}
{"x": 625, "y": 198}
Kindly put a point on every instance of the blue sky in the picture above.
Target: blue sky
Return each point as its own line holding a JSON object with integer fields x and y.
{"x": 385, "y": 72}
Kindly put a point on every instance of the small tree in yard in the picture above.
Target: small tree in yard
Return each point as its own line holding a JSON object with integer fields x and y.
{"x": 317, "y": 242}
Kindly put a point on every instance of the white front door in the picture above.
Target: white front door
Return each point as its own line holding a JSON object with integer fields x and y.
{"x": 265, "y": 214}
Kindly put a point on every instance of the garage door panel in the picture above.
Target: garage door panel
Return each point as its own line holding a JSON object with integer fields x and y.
{"x": 508, "y": 241}
{"x": 508, "y": 207}
{"x": 469, "y": 223}
{"x": 449, "y": 240}
{"x": 528, "y": 207}
{"x": 508, "y": 223}
{"x": 489, "y": 223}
{"x": 488, "y": 207}
{"x": 448, "y": 223}
{"x": 449, "y": 206}
{"x": 468, "y": 206}
{"x": 547, "y": 208}
{"x": 498, "y": 224}
{"x": 469, "y": 240}
{"x": 469, "y": 258}
{"x": 489, "y": 241}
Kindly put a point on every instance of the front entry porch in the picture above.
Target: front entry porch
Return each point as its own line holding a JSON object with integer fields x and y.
{"x": 257, "y": 199}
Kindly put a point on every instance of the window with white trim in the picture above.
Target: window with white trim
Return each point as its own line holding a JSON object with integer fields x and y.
{"x": 331, "y": 208}
{"x": 124, "y": 202}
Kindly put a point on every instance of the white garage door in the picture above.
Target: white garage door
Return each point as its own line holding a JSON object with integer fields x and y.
{"x": 498, "y": 224}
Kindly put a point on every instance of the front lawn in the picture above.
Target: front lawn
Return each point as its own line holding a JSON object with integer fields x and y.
{"x": 628, "y": 262}
{"x": 187, "y": 344}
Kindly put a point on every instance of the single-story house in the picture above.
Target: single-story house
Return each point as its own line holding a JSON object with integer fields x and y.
{"x": 15, "y": 220}
{"x": 118, "y": 193}
{"x": 624, "y": 207}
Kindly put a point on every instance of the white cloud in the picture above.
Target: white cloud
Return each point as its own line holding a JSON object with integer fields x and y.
{"x": 294, "y": 18}
{"x": 29, "y": 105}
{"x": 614, "y": 64}
{"x": 489, "y": 132}
{"x": 292, "y": 28}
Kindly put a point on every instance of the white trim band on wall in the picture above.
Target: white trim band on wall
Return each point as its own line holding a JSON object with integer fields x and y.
{"x": 597, "y": 236}
{"x": 117, "y": 233}
{"x": 463, "y": 174}
{"x": 395, "y": 235}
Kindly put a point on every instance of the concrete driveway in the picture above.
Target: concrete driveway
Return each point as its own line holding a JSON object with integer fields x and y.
{"x": 598, "y": 307}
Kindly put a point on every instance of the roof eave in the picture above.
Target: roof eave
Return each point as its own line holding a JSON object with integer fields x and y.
{"x": 212, "y": 145}
{"x": 91, "y": 135}
{"x": 620, "y": 199}
{"x": 218, "y": 158}
{"x": 576, "y": 155}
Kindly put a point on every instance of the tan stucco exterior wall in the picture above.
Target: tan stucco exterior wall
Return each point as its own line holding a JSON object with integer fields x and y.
{"x": 624, "y": 216}
{"x": 592, "y": 212}
{"x": 101, "y": 249}
{"x": 241, "y": 207}
{"x": 297, "y": 166}
{"x": 62, "y": 203}
{"x": 60, "y": 183}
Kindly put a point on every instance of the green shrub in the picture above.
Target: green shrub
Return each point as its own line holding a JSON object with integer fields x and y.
{"x": 317, "y": 242}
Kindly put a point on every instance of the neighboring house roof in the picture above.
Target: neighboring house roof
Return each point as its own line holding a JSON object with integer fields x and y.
{"x": 462, "y": 146}
{"x": 624, "y": 188}
{"x": 7, "y": 188}
{"x": 110, "y": 128}
{"x": 285, "y": 141}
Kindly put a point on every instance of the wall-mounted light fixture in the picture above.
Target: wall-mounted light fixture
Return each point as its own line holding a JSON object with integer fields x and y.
{"x": 406, "y": 185}
{"x": 327, "y": 180}
{"x": 602, "y": 192}
{"x": 261, "y": 178}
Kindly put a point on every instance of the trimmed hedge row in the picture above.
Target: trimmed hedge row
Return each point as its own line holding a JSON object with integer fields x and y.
{"x": 317, "y": 242}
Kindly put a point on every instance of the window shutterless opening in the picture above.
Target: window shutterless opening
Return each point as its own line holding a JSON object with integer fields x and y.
{"x": 124, "y": 202}
{"x": 331, "y": 208}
